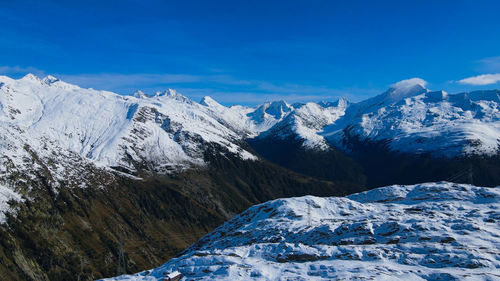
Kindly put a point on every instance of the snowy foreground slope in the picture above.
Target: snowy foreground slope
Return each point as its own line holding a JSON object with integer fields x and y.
{"x": 432, "y": 231}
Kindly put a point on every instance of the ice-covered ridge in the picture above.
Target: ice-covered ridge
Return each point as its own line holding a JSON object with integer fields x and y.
{"x": 432, "y": 231}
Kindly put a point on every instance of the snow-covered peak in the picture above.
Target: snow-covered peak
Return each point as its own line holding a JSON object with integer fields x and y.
{"x": 406, "y": 84}
{"x": 208, "y": 101}
{"x": 31, "y": 77}
{"x": 5, "y": 79}
{"x": 436, "y": 96}
{"x": 173, "y": 94}
{"x": 398, "y": 91}
{"x": 431, "y": 231}
{"x": 56, "y": 82}
{"x": 306, "y": 121}
{"x": 139, "y": 94}
{"x": 277, "y": 108}
{"x": 168, "y": 93}
{"x": 407, "y": 88}
{"x": 412, "y": 119}
{"x": 270, "y": 112}
{"x": 49, "y": 79}
{"x": 340, "y": 103}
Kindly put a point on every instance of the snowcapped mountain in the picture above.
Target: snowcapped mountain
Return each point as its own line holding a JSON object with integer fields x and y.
{"x": 166, "y": 131}
{"x": 432, "y": 231}
{"x": 270, "y": 113}
{"x": 67, "y": 133}
{"x": 249, "y": 121}
{"x": 406, "y": 118}
{"x": 306, "y": 122}
{"x": 70, "y": 136}
{"x": 410, "y": 118}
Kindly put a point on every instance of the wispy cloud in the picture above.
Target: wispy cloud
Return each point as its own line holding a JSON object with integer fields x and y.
{"x": 292, "y": 94}
{"x": 15, "y": 70}
{"x": 252, "y": 97}
{"x": 114, "y": 80}
{"x": 479, "y": 80}
{"x": 225, "y": 88}
{"x": 490, "y": 64}
{"x": 120, "y": 81}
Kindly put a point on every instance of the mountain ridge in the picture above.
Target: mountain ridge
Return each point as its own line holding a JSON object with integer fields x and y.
{"x": 407, "y": 113}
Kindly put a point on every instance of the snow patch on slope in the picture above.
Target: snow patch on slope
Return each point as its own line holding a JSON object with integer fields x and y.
{"x": 7, "y": 195}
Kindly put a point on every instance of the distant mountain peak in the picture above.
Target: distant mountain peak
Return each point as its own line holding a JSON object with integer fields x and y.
{"x": 139, "y": 94}
{"x": 49, "y": 79}
{"x": 30, "y": 77}
{"x": 436, "y": 96}
{"x": 409, "y": 83}
{"x": 278, "y": 108}
{"x": 208, "y": 101}
{"x": 173, "y": 94}
{"x": 168, "y": 92}
{"x": 406, "y": 88}
{"x": 341, "y": 102}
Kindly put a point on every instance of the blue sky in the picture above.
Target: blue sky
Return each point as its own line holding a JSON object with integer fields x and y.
{"x": 252, "y": 51}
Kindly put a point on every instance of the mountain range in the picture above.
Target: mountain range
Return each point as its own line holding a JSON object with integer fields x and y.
{"x": 96, "y": 184}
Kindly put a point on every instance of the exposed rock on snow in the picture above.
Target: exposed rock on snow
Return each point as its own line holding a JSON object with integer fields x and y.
{"x": 432, "y": 231}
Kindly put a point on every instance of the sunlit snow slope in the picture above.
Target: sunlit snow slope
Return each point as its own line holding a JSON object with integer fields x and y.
{"x": 432, "y": 231}
{"x": 166, "y": 131}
